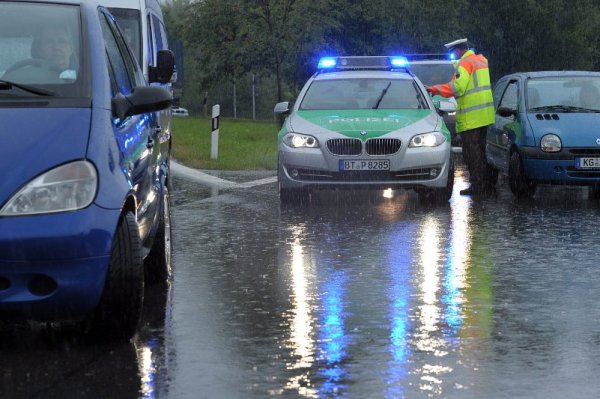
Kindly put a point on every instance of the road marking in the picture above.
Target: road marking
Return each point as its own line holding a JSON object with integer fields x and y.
{"x": 258, "y": 182}
{"x": 213, "y": 181}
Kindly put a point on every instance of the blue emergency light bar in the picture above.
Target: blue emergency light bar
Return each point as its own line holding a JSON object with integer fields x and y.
{"x": 327, "y": 62}
{"x": 363, "y": 62}
{"x": 399, "y": 62}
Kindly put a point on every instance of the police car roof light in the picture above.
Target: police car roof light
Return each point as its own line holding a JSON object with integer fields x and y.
{"x": 451, "y": 56}
{"x": 362, "y": 63}
{"x": 327, "y": 63}
{"x": 399, "y": 62}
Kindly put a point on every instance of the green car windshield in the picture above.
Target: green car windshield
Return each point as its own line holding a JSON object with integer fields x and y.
{"x": 363, "y": 93}
{"x": 564, "y": 94}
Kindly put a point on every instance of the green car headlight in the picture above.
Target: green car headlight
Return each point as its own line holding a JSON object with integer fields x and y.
{"x": 427, "y": 140}
{"x": 297, "y": 140}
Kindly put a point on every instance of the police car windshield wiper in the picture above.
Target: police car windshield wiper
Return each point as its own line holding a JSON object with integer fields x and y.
{"x": 563, "y": 108}
{"x": 382, "y": 95}
{"x": 7, "y": 85}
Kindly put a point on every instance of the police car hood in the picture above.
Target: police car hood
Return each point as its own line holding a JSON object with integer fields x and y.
{"x": 574, "y": 129}
{"x": 364, "y": 123}
{"x": 35, "y": 140}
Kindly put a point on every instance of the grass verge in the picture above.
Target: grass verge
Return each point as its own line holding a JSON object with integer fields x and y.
{"x": 243, "y": 144}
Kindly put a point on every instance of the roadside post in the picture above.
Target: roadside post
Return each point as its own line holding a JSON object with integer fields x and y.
{"x": 214, "y": 136}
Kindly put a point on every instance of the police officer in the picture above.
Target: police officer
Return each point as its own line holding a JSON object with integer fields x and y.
{"x": 470, "y": 85}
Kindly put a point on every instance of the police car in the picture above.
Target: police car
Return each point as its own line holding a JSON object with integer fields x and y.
{"x": 364, "y": 122}
{"x": 432, "y": 69}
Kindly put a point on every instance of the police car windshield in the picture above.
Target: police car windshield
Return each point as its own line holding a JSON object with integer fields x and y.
{"x": 362, "y": 93}
{"x": 433, "y": 74}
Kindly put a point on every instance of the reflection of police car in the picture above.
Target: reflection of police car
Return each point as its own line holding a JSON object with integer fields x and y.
{"x": 364, "y": 122}
{"x": 432, "y": 69}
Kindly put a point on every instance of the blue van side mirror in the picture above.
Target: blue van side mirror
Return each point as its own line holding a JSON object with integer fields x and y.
{"x": 142, "y": 99}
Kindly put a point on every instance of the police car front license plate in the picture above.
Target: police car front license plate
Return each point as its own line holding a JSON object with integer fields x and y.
{"x": 364, "y": 164}
{"x": 587, "y": 163}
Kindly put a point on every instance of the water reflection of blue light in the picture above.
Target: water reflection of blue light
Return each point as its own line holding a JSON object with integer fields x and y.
{"x": 456, "y": 267}
{"x": 453, "y": 303}
{"x": 332, "y": 336}
{"x": 400, "y": 271}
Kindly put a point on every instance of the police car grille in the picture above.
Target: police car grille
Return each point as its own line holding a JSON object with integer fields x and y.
{"x": 382, "y": 146}
{"x": 344, "y": 146}
{"x": 366, "y": 176}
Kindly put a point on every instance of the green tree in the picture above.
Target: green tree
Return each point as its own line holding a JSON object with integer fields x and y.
{"x": 286, "y": 36}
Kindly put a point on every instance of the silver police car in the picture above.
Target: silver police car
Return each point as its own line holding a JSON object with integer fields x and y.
{"x": 364, "y": 122}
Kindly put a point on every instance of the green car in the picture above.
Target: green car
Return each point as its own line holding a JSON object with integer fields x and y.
{"x": 364, "y": 122}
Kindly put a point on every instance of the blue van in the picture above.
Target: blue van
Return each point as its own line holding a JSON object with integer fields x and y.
{"x": 84, "y": 206}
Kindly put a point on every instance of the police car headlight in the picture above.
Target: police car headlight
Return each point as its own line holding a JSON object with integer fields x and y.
{"x": 427, "y": 140}
{"x": 65, "y": 188}
{"x": 297, "y": 140}
{"x": 551, "y": 143}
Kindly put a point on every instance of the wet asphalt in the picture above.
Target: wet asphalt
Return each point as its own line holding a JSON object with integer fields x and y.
{"x": 355, "y": 295}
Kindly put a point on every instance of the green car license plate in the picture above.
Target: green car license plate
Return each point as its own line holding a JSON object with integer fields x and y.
{"x": 364, "y": 164}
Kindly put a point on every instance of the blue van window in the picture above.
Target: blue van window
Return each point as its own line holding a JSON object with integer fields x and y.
{"x": 119, "y": 59}
{"x": 131, "y": 26}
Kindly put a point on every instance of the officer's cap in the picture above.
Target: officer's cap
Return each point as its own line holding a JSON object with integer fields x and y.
{"x": 456, "y": 43}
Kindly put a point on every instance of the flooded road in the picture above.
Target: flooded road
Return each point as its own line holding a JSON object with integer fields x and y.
{"x": 355, "y": 296}
{"x": 351, "y": 296}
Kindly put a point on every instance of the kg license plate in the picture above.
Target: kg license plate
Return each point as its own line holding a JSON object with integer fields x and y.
{"x": 361, "y": 164}
{"x": 587, "y": 163}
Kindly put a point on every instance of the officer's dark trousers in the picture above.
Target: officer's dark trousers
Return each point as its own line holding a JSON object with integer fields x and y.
{"x": 473, "y": 152}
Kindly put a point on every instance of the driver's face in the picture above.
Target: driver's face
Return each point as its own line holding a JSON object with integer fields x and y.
{"x": 56, "y": 47}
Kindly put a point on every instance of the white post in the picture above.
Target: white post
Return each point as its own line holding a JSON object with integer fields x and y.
{"x": 214, "y": 136}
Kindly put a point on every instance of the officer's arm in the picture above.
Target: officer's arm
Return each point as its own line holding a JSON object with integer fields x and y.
{"x": 460, "y": 83}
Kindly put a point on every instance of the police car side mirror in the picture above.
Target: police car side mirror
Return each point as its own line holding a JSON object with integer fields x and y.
{"x": 506, "y": 112}
{"x": 282, "y": 108}
{"x": 446, "y": 106}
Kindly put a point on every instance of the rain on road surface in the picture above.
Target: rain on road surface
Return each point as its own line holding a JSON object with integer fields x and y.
{"x": 352, "y": 296}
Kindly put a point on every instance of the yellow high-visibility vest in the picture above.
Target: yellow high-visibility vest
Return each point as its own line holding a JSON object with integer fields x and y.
{"x": 472, "y": 89}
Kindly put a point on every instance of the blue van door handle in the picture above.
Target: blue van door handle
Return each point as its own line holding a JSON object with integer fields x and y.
{"x": 150, "y": 143}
